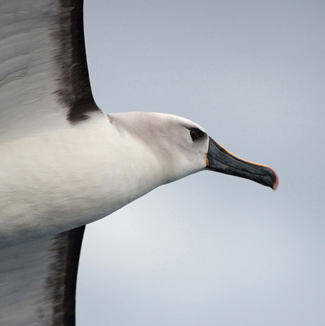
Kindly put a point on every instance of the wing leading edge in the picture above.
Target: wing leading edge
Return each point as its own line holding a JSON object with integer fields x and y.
{"x": 38, "y": 281}
{"x": 44, "y": 83}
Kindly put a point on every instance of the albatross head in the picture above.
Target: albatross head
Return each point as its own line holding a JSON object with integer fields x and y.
{"x": 182, "y": 147}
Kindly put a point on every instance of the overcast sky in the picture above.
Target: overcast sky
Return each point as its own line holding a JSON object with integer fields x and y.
{"x": 213, "y": 249}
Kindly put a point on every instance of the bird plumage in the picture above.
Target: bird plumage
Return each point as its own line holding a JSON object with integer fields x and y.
{"x": 66, "y": 163}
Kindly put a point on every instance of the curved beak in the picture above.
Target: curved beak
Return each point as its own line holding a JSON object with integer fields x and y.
{"x": 220, "y": 160}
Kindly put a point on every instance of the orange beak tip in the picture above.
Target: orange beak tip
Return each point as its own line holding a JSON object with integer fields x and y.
{"x": 276, "y": 183}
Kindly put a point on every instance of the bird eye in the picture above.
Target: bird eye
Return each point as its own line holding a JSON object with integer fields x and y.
{"x": 195, "y": 133}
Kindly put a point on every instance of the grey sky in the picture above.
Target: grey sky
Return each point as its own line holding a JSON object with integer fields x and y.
{"x": 213, "y": 249}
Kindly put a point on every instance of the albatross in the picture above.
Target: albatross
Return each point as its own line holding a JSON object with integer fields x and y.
{"x": 66, "y": 163}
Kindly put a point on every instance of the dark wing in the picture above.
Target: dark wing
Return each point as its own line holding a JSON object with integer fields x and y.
{"x": 44, "y": 83}
{"x": 38, "y": 281}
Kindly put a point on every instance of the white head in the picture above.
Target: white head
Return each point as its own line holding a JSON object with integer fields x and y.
{"x": 179, "y": 145}
{"x": 182, "y": 147}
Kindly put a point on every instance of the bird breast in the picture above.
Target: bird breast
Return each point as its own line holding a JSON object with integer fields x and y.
{"x": 70, "y": 177}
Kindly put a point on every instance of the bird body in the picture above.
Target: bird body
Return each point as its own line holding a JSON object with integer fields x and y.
{"x": 73, "y": 176}
{"x": 65, "y": 163}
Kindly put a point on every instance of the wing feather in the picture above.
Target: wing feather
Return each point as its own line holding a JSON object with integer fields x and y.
{"x": 38, "y": 281}
{"x": 44, "y": 86}
{"x": 44, "y": 83}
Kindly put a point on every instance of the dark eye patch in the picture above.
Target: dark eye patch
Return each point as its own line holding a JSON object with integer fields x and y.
{"x": 195, "y": 133}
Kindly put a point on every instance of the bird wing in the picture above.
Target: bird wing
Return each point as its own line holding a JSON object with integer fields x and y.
{"x": 44, "y": 86}
{"x": 44, "y": 82}
{"x": 38, "y": 281}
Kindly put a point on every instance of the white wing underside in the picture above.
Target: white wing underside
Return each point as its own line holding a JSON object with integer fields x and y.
{"x": 44, "y": 82}
{"x": 28, "y": 76}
